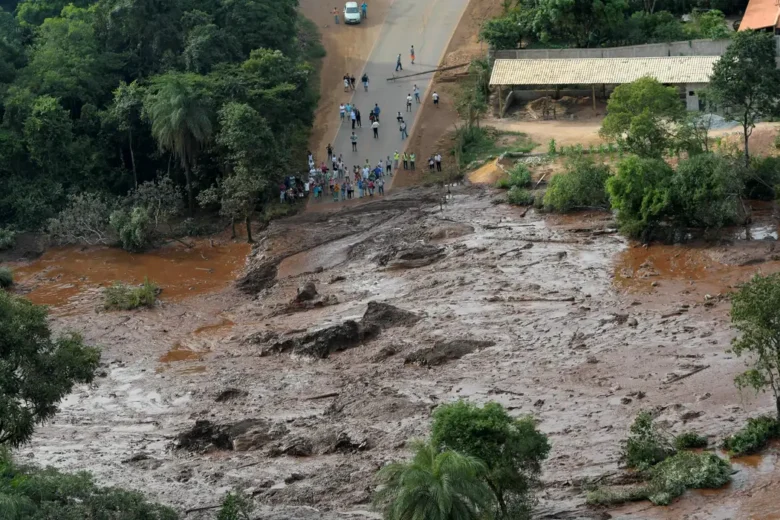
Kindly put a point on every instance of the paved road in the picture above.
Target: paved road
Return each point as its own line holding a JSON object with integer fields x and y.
{"x": 426, "y": 24}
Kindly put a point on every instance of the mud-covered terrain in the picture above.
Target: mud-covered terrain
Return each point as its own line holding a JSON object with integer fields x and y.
{"x": 346, "y": 329}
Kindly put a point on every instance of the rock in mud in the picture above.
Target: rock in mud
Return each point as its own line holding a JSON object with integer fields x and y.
{"x": 259, "y": 278}
{"x": 445, "y": 351}
{"x": 450, "y": 230}
{"x": 418, "y": 255}
{"x": 229, "y": 394}
{"x": 385, "y": 316}
{"x": 293, "y": 447}
{"x": 245, "y": 435}
{"x": 306, "y": 293}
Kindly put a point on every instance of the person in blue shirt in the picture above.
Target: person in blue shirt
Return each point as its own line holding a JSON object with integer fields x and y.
{"x": 376, "y": 111}
{"x": 364, "y": 9}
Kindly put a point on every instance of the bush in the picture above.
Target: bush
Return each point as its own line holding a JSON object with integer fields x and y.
{"x": 7, "y": 238}
{"x": 583, "y": 184}
{"x": 520, "y": 197}
{"x": 124, "y": 297}
{"x": 519, "y": 176}
{"x": 133, "y": 228}
{"x": 753, "y": 437}
{"x": 30, "y": 492}
{"x": 705, "y": 192}
{"x": 85, "y": 220}
{"x": 6, "y": 278}
{"x": 690, "y": 440}
{"x": 761, "y": 178}
{"x": 235, "y": 506}
{"x": 551, "y": 149}
{"x": 645, "y": 446}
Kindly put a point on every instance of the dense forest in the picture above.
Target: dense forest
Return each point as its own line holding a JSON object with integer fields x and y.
{"x": 109, "y": 106}
{"x": 602, "y": 23}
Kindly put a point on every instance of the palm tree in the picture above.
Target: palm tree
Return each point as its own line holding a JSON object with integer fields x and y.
{"x": 180, "y": 119}
{"x": 434, "y": 486}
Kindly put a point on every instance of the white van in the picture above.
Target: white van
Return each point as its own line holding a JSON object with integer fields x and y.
{"x": 351, "y": 13}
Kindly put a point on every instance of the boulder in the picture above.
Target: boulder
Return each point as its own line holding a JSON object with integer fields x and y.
{"x": 306, "y": 293}
{"x": 445, "y": 351}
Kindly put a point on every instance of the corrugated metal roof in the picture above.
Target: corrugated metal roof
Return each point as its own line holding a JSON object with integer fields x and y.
{"x": 760, "y": 14}
{"x": 587, "y": 71}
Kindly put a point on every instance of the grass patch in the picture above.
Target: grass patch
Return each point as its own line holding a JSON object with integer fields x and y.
{"x": 125, "y": 297}
{"x": 690, "y": 440}
{"x": 441, "y": 178}
{"x": 7, "y": 238}
{"x": 669, "y": 479}
{"x": 581, "y": 185}
{"x": 519, "y": 176}
{"x": 520, "y": 196}
{"x": 753, "y": 436}
{"x": 477, "y": 143}
{"x": 645, "y": 445}
{"x": 275, "y": 210}
{"x": 6, "y": 278}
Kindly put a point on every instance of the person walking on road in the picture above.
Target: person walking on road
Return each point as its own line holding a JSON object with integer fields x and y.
{"x": 364, "y": 79}
{"x": 352, "y": 82}
{"x": 353, "y": 118}
{"x": 411, "y": 161}
{"x": 357, "y": 118}
{"x": 330, "y": 152}
{"x": 389, "y": 166}
{"x": 375, "y": 128}
{"x": 364, "y": 10}
{"x": 402, "y": 128}
{"x": 408, "y": 102}
{"x": 353, "y": 138}
{"x": 336, "y": 14}
{"x": 398, "y": 65}
{"x": 437, "y": 158}
{"x": 435, "y": 99}
{"x": 346, "y": 83}
{"x": 399, "y": 117}
{"x": 406, "y": 161}
{"x": 342, "y": 112}
{"x": 416, "y": 94}
{"x": 376, "y": 112}
{"x": 411, "y": 53}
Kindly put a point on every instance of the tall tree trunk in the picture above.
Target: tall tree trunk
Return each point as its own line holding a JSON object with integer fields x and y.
{"x": 190, "y": 196}
{"x": 132, "y": 156}
{"x": 747, "y": 137}
{"x": 248, "y": 221}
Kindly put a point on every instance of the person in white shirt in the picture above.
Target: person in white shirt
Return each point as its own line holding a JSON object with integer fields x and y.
{"x": 416, "y": 94}
{"x": 375, "y": 128}
{"x": 435, "y": 99}
{"x": 408, "y": 102}
{"x": 438, "y": 161}
{"x": 342, "y": 111}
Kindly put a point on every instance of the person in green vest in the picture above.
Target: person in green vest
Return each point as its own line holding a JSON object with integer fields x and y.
{"x": 411, "y": 161}
{"x": 406, "y": 161}
{"x": 396, "y": 158}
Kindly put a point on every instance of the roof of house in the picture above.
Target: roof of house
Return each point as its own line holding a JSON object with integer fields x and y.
{"x": 760, "y": 14}
{"x": 596, "y": 71}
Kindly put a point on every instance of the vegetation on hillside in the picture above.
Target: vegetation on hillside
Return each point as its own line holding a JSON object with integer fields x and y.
{"x": 103, "y": 103}
{"x": 125, "y": 297}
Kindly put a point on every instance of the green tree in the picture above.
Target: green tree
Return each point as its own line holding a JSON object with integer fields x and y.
{"x": 581, "y": 185}
{"x": 207, "y": 45}
{"x": 433, "y": 486}
{"x": 709, "y": 24}
{"x": 643, "y": 117}
{"x": 36, "y": 370}
{"x": 705, "y": 192}
{"x": 755, "y": 314}
{"x": 235, "y": 506}
{"x": 505, "y": 32}
{"x": 745, "y": 81}
{"x": 511, "y": 449}
{"x": 48, "y": 134}
{"x": 126, "y": 113}
{"x": 260, "y": 24}
{"x": 641, "y": 193}
{"x": 180, "y": 114}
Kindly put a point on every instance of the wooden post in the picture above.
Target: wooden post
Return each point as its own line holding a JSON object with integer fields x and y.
{"x": 500, "y": 102}
{"x": 594, "y": 96}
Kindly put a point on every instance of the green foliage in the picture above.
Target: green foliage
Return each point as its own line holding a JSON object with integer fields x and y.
{"x": 705, "y": 192}
{"x": 761, "y": 178}
{"x": 504, "y": 32}
{"x": 85, "y": 220}
{"x": 519, "y": 176}
{"x": 473, "y": 143}
{"x": 745, "y": 81}
{"x": 641, "y": 193}
{"x": 551, "y": 150}
{"x": 645, "y": 445}
{"x": 755, "y": 315}
{"x": 37, "y": 370}
{"x": 133, "y": 228}
{"x": 690, "y": 440}
{"x": 126, "y": 297}
{"x": 7, "y": 238}
{"x": 512, "y": 450}
{"x": 582, "y": 184}
{"x": 6, "y": 278}
{"x": 235, "y": 506}
{"x": 753, "y": 437}
{"x": 27, "y": 493}
{"x": 642, "y": 116}
{"x": 433, "y": 485}
{"x": 520, "y": 196}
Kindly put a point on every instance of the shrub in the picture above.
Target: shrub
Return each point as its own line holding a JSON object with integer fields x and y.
{"x": 520, "y": 197}
{"x": 690, "y": 440}
{"x": 519, "y": 176}
{"x": 85, "y": 220}
{"x": 761, "y": 178}
{"x": 753, "y": 437}
{"x": 705, "y": 192}
{"x": 133, "y": 228}
{"x": 7, "y": 238}
{"x": 6, "y": 278}
{"x": 583, "y": 184}
{"x": 645, "y": 445}
{"x": 124, "y": 297}
{"x": 551, "y": 149}
{"x": 235, "y": 506}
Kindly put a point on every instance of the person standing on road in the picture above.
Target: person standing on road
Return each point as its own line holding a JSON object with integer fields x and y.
{"x": 389, "y": 166}
{"x": 330, "y": 152}
{"x": 411, "y": 161}
{"x": 376, "y": 111}
{"x": 364, "y": 10}
{"x": 353, "y": 138}
{"x": 408, "y": 102}
{"x": 352, "y": 82}
{"x": 380, "y": 184}
{"x": 396, "y": 158}
{"x": 431, "y": 163}
{"x": 437, "y": 158}
{"x": 406, "y": 161}
{"x": 411, "y": 52}
{"x": 375, "y": 128}
{"x": 336, "y": 14}
{"x": 399, "y": 117}
{"x": 398, "y": 65}
{"x": 402, "y": 128}
{"x": 416, "y": 94}
{"x": 342, "y": 111}
{"x": 346, "y": 83}
{"x": 435, "y": 99}
{"x": 357, "y": 118}
{"x": 353, "y": 118}
{"x": 364, "y": 79}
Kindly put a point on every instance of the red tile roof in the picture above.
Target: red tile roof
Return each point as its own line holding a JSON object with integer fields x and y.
{"x": 760, "y": 14}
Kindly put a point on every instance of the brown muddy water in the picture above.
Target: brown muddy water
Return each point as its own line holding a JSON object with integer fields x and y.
{"x": 62, "y": 273}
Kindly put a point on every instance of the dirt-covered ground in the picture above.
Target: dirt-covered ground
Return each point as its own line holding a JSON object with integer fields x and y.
{"x": 297, "y": 399}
